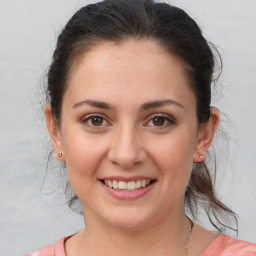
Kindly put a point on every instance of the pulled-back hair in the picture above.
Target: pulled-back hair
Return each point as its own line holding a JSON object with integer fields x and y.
{"x": 174, "y": 30}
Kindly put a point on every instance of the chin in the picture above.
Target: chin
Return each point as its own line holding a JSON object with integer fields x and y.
{"x": 129, "y": 219}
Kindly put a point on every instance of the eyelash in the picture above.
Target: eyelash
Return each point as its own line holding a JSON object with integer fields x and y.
{"x": 88, "y": 119}
{"x": 167, "y": 119}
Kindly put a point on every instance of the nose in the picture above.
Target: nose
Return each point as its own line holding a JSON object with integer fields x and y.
{"x": 126, "y": 149}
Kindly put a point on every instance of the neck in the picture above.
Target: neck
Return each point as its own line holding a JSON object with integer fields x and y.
{"x": 167, "y": 237}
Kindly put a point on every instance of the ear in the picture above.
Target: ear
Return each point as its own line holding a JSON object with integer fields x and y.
{"x": 55, "y": 134}
{"x": 205, "y": 136}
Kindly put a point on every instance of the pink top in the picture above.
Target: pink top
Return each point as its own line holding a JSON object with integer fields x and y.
{"x": 222, "y": 245}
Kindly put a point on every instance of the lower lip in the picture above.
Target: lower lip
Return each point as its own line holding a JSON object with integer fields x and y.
{"x": 128, "y": 195}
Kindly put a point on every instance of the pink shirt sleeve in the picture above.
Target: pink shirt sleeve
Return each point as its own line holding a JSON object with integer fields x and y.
{"x": 56, "y": 249}
{"x": 224, "y": 245}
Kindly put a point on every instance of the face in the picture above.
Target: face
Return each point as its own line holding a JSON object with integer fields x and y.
{"x": 129, "y": 134}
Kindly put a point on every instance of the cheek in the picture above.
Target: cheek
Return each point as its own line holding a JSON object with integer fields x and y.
{"x": 174, "y": 153}
{"x": 83, "y": 155}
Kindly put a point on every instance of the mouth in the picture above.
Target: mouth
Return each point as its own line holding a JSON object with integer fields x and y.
{"x": 129, "y": 186}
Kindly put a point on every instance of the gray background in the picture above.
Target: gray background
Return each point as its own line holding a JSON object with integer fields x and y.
{"x": 30, "y": 219}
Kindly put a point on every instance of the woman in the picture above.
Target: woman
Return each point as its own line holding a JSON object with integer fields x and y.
{"x": 129, "y": 113}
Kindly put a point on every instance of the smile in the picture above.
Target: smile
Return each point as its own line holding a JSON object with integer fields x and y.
{"x": 129, "y": 186}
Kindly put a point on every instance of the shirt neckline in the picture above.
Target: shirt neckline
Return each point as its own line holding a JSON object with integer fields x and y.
{"x": 60, "y": 247}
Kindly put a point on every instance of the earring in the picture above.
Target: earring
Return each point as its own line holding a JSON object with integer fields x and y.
{"x": 201, "y": 156}
{"x": 60, "y": 154}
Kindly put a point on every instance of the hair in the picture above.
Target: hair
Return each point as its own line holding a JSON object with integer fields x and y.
{"x": 174, "y": 30}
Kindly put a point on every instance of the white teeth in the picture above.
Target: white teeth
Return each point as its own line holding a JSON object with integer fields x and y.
{"x": 110, "y": 183}
{"x": 122, "y": 185}
{"x": 115, "y": 184}
{"x": 138, "y": 184}
{"x": 131, "y": 185}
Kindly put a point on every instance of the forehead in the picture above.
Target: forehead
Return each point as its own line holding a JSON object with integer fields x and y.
{"x": 139, "y": 69}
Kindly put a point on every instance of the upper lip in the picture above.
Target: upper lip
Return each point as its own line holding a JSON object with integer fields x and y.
{"x": 127, "y": 179}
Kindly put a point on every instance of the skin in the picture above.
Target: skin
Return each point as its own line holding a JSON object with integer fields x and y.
{"x": 130, "y": 142}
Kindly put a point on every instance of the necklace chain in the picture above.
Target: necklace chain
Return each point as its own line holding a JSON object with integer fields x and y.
{"x": 189, "y": 236}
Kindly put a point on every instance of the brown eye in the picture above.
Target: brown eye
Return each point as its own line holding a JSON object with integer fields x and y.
{"x": 97, "y": 120}
{"x": 161, "y": 121}
{"x": 158, "y": 121}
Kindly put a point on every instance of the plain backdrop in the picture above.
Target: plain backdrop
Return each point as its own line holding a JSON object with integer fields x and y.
{"x": 30, "y": 219}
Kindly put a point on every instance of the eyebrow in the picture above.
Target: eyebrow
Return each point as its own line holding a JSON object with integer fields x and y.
{"x": 160, "y": 103}
{"x": 144, "y": 106}
{"x": 94, "y": 103}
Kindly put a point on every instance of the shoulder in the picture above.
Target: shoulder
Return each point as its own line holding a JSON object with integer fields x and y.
{"x": 224, "y": 245}
{"x": 56, "y": 249}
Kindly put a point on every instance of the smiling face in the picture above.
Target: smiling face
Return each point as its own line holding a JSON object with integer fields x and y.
{"x": 128, "y": 134}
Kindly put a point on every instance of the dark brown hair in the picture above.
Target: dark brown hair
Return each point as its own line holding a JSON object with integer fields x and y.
{"x": 178, "y": 34}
